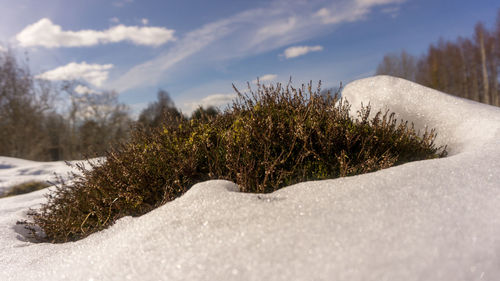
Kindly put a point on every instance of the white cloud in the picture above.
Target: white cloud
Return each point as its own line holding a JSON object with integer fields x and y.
{"x": 277, "y": 28}
{"x": 216, "y": 100}
{"x": 349, "y": 15}
{"x": 267, "y": 77}
{"x": 80, "y": 89}
{"x": 144, "y": 21}
{"x": 351, "y": 11}
{"x": 2, "y": 49}
{"x": 95, "y": 74}
{"x": 297, "y": 51}
{"x": 45, "y": 33}
{"x": 114, "y": 20}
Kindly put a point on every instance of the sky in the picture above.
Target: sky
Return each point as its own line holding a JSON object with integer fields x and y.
{"x": 196, "y": 49}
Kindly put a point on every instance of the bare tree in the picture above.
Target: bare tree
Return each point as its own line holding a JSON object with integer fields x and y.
{"x": 152, "y": 115}
{"x": 480, "y": 34}
{"x": 468, "y": 67}
{"x": 33, "y": 127}
{"x": 401, "y": 65}
{"x": 23, "y": 102}
{"x": 97, "y": 120}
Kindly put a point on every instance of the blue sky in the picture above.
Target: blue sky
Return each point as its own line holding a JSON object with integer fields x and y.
{"x": 196, "y": 49}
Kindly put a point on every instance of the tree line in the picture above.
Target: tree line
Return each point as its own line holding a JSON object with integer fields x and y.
{"x": 466, "y": 67}
{"x": 43, "y": 121}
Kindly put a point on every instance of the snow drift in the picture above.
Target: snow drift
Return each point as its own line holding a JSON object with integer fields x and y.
{"x": 428, "y": 220}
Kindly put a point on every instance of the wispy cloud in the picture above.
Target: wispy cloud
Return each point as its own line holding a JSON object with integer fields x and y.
{"x": 150, "y": 71}
{"x": 277, "y": 28}
{"x": 47, "y": 34}
{"x": 267, "y": 77}
{"x": 121, "y": 3}
{"x": 215, "y": 100}
{"x": 2, "y": 49}
{"x": 391, "y": 10}
{"x": 114, "y": 20}
{"x": 377, "y": 2}
{"x": 350, "y": 11}
{"x": 297, "y": 51}
{"x": 281, "y": 23}
{"x": 94, "y": 74}
{"x": 144, "y": 21}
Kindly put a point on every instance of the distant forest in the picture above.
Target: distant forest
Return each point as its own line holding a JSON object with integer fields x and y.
{"x": 43, "y": 121}
{"x": 466, "y": 67}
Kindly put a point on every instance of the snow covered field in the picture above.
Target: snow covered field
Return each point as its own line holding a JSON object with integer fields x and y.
{"x": 14, "y": 171}
{"x": 427, "y": 220}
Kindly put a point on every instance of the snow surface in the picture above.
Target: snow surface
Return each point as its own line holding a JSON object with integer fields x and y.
{"x": 427, "y": 220}
{"x": 14, "y": 171}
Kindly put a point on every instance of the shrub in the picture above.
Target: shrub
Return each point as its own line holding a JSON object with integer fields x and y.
{"x": 25, "y": 187}
{"x": 204, "y": 113}
{"x": 270, "y": 138}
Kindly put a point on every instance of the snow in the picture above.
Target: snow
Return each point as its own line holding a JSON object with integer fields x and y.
{"x": 15, "y": 171}
{"x": 428, "y": 220}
